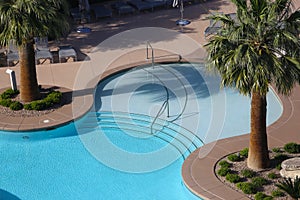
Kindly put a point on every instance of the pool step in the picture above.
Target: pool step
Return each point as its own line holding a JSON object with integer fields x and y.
{"x": 141, "y": 126}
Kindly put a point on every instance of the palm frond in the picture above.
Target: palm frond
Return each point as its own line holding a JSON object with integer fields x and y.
{"x": 258, "y": 48}
{"x": 291, "y": 187}
{"x": 23, "y": 19}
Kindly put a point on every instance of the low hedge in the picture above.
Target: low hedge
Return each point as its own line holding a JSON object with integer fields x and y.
{"x": 262, "y": 196}
{"x": 224, "y": 163}
{"x": 292, "y": 147}
{"x": 52, "y": 98}
{"x": 223, "y": 171}
{"x": 9, "y": 93}
{"x": 233, "y": 178}
{"x": 5, "y": 102}
{"x": 248, "y": 173}
{"x": 244, "y": 152}
{"x": 15, "y": 105}
{"x": 246, "y": 187}
{"x": 278, "y": 193}
{"x": 234, "y": 158}
{"x": 259, "y": 181}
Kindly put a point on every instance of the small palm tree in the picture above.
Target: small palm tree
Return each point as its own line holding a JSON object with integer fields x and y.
{"x": 291, "y": 187}
{"x": 259, "y": 48}
{"x": 21, "y": 21}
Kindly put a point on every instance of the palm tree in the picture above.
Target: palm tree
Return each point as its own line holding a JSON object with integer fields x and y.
{"x": 259, "y": 48}
{"x": 291, "y": 187}
{"x": 21, "y": 21}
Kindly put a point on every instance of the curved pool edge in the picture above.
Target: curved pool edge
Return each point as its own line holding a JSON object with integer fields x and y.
{"x": 58, "y": 117}
{"x": 198, "y": 172}
{"x": 79, "y": 104}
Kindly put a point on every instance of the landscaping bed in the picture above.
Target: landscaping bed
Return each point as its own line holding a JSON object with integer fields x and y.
{"x": 11, "y": 105}
{"x": 233, "y": 171}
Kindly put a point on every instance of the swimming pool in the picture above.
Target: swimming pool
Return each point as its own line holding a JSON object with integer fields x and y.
{"x": 94, "y": 158}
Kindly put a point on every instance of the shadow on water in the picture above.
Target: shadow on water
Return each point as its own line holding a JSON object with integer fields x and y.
{"x": 155, "y": 91}
{"x": 175, "y": 77}
{"x": 4, "y": 195}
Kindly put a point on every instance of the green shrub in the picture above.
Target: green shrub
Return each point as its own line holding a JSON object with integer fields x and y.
{"x": 278, "y": 193}
{"x": 278, "y": 166}
{"x": 272, "y": 175}
{"x": 280, "y": 157}
{"x": 259, "y": 181}
{"x": 9, "y": 93}
{"x": 246, "y": 187}
{"x": 223, "y": 171}
{"x": 5, "y": 96}
{"x": 234, "y": 158}
{"x": 244, "y": 152}
{"x": 15, "y": 105}
{"x": 292, "y": 147}
{"x": 5, "y": 102}
{"x": 27, "y": 106}
{"x": 54, "y": 97}
{"x": 224, "y": 163}
{"x": 248, "y": 173}
{"x": 232, "y": 178}
{"x": 262, "y": 196}
{"x": 276, "y": 150}
{"x": 38, "y": 105}
{"x": 268, "y": 198}
{"x": 48, "y": 102}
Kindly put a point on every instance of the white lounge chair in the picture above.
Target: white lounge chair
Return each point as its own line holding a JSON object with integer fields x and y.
{"x": 42, "y": 50}
{"x": 66, "y": 52}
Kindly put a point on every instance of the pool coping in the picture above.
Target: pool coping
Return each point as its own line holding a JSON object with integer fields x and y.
{"x": 197, "y": 173}
{"x": 207, "y": 179}
{"x": 78, "y": 105}
{"x": 198, "y": 169}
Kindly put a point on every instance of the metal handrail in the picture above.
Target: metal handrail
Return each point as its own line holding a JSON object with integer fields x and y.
{"x": 148, "y": 44}
{"x": 164, "y": 105}
{"x": 159, "y": 113}
{"x": 185, "y": 91}
{"x": 152, "y": 52}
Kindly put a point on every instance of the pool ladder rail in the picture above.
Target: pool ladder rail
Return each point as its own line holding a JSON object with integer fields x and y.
{"x": 149, "y": 46}
{"x": 166, "y": 103}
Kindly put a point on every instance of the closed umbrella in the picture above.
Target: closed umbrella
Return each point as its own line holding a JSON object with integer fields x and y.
{"x": 84, "y": 8}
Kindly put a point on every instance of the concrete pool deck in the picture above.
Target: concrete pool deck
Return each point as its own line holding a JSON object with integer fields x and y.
{"x": 198, "y": 170}
{"x": 198, "y": 173}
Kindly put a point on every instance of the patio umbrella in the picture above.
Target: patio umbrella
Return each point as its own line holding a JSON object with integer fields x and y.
{"x": 84, "y": 8}
{"x": 175, "y": 3}
{"x": 182, "y": 22}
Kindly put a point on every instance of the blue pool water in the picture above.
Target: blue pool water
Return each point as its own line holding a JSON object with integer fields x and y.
{"x": 94, "y": 158}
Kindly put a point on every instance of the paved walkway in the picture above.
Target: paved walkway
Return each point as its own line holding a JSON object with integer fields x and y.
{"x": 78, "y": 79}
{"x": 198, "y": 171}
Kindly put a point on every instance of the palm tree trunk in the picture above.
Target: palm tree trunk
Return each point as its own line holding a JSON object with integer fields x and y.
{"x": 258, "y": 157}
{"x": 29, "y": 90}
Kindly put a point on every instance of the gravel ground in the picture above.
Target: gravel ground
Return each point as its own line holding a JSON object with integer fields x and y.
{"x": 34, "y": 113}
{"x": 237, "y": 167}
{"x": 23, "y": 112}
